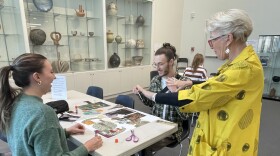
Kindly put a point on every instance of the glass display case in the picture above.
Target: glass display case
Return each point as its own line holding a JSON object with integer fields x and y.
{"x": 68, "y": 32}
{"x": 12, "y": 40}
{"x": 269, "y": 53}
{"x": 128, "y": 26}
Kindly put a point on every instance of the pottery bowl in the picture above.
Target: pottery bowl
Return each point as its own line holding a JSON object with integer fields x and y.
{"x": 91, "y": 33}
{"x": 137, "y": 60}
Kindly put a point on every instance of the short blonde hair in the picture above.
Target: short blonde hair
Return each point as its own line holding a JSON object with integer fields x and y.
{"x": 233, "y": 21}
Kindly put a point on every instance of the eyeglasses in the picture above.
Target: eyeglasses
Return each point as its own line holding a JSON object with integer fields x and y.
{"x": 158, "y": 65}
{"x": 210, "y": 41}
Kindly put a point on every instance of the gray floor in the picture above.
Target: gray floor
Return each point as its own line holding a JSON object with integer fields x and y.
{"x": 269, "y": 131}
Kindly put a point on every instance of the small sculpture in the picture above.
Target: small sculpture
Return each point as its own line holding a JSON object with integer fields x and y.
{"x": 55, "y": 36}
{"x": 80, "y": 12}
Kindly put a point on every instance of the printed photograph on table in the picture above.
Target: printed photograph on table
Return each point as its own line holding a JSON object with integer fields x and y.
{"x": 91, "y": 106}
{"x": 135, "y": 117}
{"x": 102, "y": 127}
{"x": 118, "y": 112}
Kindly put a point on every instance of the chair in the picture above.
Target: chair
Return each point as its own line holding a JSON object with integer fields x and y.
{"x": 125, "y": 100}
{"x": 95, "y": 91}
{"x": 184, "y": 135}
{"x": 153, "y": 73}
{"x": 4, "y": 147}
{"x": 182, "y": 63}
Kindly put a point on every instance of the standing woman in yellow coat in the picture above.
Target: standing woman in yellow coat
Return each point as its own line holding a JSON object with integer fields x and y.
{"x": 229, "y": 103}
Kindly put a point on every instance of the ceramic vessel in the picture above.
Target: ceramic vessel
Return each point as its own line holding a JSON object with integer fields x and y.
{"x": 272, "y": 92}
{"x": 118, "y": 39}
{"x": 114, "y": 60}
{"x": 112, "y": 9}
{"x": 131, "y": 43}
{"x": 140, "y": 20}
{"x": 137, "y": 60}
{"x": 131, "y": 19}
{"x": 74, "y": 32}
{"x": 60, "y": 66}
{"x": 37, "y": 36}
{"x": 276, "y": 78}
{"x": 110, "y": 36}
{"x": 90, "y": 33}
{"x": 43, "y": 5}
{"x": 55, "y": 36}
{"x": 140, "y": 43}
{"x": 82, "y": 33}
{"x": 128, "y": 63}
{"x": 80, "y": 12}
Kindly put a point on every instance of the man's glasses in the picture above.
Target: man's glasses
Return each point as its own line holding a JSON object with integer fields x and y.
{"x": 214, "y": 39}
{"x": 158, "y": 65}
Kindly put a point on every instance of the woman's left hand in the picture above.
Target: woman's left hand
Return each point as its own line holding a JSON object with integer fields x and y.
{"x": 76, "y": 129}
{"x": 171, "y": 84}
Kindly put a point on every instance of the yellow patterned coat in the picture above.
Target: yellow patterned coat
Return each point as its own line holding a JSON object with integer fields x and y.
{"x": 230, "y": 109}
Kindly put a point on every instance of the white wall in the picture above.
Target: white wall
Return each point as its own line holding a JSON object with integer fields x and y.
{"x": 167, "y": 22}
{"x": 264, "y": 13}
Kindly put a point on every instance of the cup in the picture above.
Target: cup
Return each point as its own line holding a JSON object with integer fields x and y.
{"x": 74, "y": 32}
{"x": 90, "y": 33}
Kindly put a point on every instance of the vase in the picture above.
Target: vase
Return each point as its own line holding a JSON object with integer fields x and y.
{"x": 276, "y": 78}
{"x": 140, "y": 20}
{"x": 140, "y": 43}
{"x": 118, "y": 39}
{"x": 37, "y": 36}
{"x": 110, "y": 36}
{"x": 112, "y": 9}
{"x": 114, "y": 60}
{"x": 272, "y": 92}
{"x": 131, "y": 43}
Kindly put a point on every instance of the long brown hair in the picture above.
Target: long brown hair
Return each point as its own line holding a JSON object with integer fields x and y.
{"x": 22, "y": 67}
{"x": 197, "y": 60}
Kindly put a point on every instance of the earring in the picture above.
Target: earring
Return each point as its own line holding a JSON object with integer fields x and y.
{"x": 39, "y": 83}
{"x": 227, "y": 51}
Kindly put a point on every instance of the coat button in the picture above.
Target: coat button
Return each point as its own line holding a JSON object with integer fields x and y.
{"x": 222, "y": 115}
{"x": 245, "y": 147}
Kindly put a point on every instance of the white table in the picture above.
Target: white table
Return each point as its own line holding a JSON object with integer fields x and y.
{"x": 148, "y": 134}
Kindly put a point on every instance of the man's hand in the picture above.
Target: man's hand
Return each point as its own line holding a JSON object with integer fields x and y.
{"x": 137, "y": 89}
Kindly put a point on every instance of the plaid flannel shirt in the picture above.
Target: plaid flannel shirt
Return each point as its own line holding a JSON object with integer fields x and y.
{"x": 171, "y": 113}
